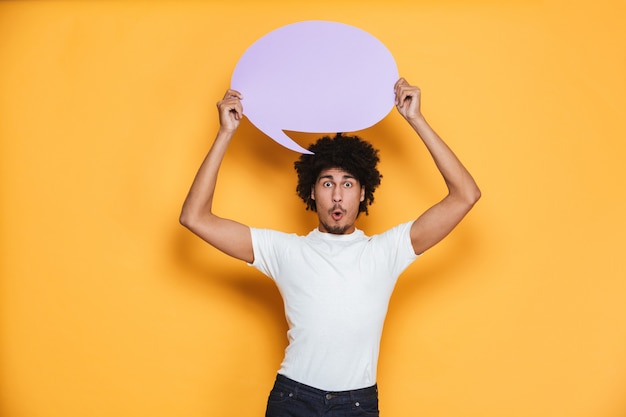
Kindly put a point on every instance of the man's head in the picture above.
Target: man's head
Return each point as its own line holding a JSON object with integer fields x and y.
{"x": 356, "y": 157}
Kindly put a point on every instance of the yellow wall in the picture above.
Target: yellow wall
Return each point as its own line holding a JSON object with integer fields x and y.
{"x": 110, "y": 308}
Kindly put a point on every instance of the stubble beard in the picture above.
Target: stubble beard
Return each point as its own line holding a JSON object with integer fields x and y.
{"x": 336, "y": 230}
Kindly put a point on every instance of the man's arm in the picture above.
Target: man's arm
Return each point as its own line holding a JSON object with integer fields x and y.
{"x": 226, "y": 235}
{"x": 439, "y": 220}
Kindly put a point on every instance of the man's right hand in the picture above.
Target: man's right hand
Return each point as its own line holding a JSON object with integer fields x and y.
{"x": 230, "y": 110}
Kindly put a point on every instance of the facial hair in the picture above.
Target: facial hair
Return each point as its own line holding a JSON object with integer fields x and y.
{"x": 335, "y": 230}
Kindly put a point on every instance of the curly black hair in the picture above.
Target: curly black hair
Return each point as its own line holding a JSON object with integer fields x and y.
{"x": 349, "y": 153}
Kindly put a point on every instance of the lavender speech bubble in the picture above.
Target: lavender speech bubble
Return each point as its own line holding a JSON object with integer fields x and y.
{"x": 315, "y": 76}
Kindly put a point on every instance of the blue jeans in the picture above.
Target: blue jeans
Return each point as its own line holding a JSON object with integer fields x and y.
{"x": 289, "y": 398}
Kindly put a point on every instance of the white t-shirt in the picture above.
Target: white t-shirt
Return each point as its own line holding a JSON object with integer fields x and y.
{"x": 336, "y": 291}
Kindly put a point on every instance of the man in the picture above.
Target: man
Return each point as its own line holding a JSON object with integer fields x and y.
{"x": 336, "y": 281}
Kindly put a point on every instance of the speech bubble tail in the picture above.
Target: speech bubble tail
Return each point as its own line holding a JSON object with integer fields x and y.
{"x": 289, "y": 143}
{"x": 280, "y": 137}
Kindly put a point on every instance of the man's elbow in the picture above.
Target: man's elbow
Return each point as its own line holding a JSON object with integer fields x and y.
{"x": 188, "y": 219}
{"x": 197, "y": 222}
{"x": 475, "y": 195}
{"x": 184, "y": 219}
{"x": 469, "y": 196}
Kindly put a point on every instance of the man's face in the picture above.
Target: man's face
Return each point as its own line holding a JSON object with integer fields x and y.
{"x": 337, "y": 196}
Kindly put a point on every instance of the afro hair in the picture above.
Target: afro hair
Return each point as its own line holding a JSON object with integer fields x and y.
{"x": 349, "y": 153}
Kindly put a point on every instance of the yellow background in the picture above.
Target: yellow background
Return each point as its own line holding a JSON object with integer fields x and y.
{"x": 110, "y": 308}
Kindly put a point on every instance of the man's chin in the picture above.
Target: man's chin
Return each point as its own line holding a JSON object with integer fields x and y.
{"x": 336, "y": 229}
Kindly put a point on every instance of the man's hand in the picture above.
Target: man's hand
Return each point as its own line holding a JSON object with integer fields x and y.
{"x": 407, "y": 99}
{"x": 230, "y": 110}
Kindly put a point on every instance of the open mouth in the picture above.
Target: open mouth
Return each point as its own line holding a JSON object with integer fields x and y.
{"x": 337, "y": 213}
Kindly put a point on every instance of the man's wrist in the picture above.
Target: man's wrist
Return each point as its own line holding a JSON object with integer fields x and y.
{"x": 417, "y": 120}
{"x": 226, "y": 131}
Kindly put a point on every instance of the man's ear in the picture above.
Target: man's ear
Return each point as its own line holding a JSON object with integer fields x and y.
{"x": 312, "y": 193}
{"x": 362, "y": 193}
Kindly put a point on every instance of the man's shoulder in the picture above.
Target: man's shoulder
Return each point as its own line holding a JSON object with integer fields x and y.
{"x": 274, "y": 233}
{"x": 401, "y": 228}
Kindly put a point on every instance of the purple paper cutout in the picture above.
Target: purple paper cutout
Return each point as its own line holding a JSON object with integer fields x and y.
{"x": 315, "y": 76}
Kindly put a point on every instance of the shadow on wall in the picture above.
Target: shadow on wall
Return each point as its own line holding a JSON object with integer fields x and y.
{"x": 207, "y": 268}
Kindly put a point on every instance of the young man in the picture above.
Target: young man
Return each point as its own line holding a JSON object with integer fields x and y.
{"x": 336, "y": 281}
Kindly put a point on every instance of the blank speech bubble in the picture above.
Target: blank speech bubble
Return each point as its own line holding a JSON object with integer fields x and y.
{"x": 315, "y": 76}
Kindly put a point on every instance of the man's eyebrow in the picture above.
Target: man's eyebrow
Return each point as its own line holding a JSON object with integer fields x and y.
{"x": 331, "y": 177}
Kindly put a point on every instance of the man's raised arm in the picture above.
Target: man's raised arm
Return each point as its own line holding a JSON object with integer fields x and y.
{"x": 229, "y": 236}
{"x": 439, "y": 220}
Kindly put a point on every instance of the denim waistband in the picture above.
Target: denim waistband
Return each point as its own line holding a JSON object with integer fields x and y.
{"x": 298, "y": 389}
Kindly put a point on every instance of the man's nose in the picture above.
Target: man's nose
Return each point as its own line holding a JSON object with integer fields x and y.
{"x": 337, "y": 195}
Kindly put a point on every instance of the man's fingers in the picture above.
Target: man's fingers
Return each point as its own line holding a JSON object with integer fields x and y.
{"x": 232, "y": 94}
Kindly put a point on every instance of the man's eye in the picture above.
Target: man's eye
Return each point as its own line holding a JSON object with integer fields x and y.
{"x": 328, "y": 184}
{"x": 348, "y": 184}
